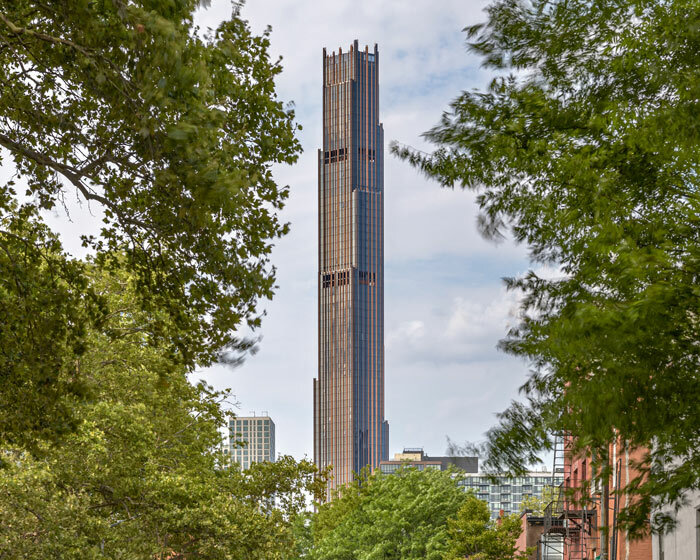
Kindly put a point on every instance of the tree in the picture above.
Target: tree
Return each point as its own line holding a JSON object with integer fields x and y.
{"x": 401, "y": 516}
{"x": 474, "y": 535}
{"x": 536, "y": 504}
{"x": 140, "y": 476}
{"x": 46, "y": 306}
{"x": 171, "y": 135}
{"x": 585, "y": 148}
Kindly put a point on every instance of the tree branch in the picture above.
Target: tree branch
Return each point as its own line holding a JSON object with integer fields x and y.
{"x": 42, "y": 36}
{"x": 72, "y": 174}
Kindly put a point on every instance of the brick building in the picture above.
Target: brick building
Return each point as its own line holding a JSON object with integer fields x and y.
{"x": 532, "y": 537}
{"x": 586, "y": 503}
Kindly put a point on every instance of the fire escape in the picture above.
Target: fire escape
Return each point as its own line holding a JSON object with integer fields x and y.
{"x": 569, "y": 521}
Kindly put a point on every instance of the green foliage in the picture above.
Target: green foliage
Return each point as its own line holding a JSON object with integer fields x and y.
{"x": 106, "y": 449}
{"x": 140, "y": 477}
{"x": 401, "y": 516}
{"x": 473, "y": 535}
{"x": 168, "y": 133}
{"x": 45, "y": 304}
{"x": 537, "y": 505}
{"x": 586, "y": 147}
{"x": 407, "y": 515}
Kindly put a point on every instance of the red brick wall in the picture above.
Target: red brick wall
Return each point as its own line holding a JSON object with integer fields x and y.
{"x": 529, "y": 536}
{"x": 521, "y": 543}
{"x": 577, "y": 470}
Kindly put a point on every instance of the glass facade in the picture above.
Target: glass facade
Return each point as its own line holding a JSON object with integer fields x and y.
{"x": 251, "y": 440}
{"x": 507, "y": 493}
{"x": 349, "y": 427}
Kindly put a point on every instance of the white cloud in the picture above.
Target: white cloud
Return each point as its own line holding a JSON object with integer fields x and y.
{"x": 459, "y": 329}
{"x": 410, "y": 331}
{"x": 474, "y": 318}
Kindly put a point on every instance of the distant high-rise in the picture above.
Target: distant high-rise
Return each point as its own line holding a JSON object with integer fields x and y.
{"x": 251, "y": 440}
{"x": 506, "y": 493}
{"x": 349, "y": 427}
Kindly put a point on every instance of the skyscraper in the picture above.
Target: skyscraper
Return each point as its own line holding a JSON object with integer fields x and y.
{"x": 349, "y": 427}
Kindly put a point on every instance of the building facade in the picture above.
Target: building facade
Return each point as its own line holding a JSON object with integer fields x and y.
{"x": 251, "y": 440}
{"x": 534, "y": 542}
{"x": 506, "y": 494}
{"x": 586, "y": 503}
{"x": 416, "y": 458}
{"x": 349, "y": 427}
{"x": 683, "y": 543}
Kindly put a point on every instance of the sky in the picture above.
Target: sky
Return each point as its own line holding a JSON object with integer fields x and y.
{"x": 445, "y": 304}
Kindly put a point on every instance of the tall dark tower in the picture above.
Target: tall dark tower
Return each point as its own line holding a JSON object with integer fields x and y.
{"x": 349, "y": 427}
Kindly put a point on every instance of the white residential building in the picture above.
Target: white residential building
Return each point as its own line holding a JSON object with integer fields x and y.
{"x": 251, "y": 440}
{"x": 507, "y": 493}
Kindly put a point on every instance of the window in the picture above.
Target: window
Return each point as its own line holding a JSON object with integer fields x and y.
{"x": 369, "y": 154}
{"x": 368, "y": 278}
{"x": 336, "y": 278}
{"x": 334, "y": 155}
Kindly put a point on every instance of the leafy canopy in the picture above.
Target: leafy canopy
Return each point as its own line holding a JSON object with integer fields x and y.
{"x": 140, "y": 476}
{"x": 46, "y": 305}
{"x": 106, "y": 449}
{"x": 401, "y": 516}
{"x": 536, "y": 505}
{"x": 586, "y": 148}
{"x": 408, "y": 515}
{"x": 474, "y": 535}
{"x": 167, "y": 134}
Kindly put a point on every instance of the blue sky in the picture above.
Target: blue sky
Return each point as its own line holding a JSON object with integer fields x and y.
{"x": 446, "y": 307}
